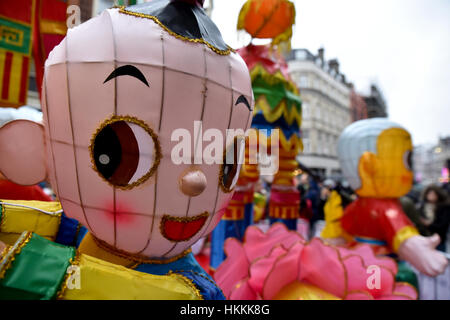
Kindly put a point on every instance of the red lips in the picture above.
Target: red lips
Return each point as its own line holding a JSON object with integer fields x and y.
{"x": 182, "y": 229}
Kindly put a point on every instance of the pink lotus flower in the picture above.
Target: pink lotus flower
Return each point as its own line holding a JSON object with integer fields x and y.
{"x": 280, "y": 264}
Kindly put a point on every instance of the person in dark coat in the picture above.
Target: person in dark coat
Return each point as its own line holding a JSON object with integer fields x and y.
{"x": 435, "y": 212}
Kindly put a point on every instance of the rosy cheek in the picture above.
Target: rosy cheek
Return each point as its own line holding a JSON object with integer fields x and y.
{"x": 121, "y": 212}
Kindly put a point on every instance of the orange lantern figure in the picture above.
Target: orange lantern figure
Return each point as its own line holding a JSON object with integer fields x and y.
{"x": 268, "y": 19}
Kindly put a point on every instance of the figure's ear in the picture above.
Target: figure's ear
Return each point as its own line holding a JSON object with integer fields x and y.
{"x": 367, "y": 169}
{"x": 367, "y": 164}
{"x": 22, "y": 152}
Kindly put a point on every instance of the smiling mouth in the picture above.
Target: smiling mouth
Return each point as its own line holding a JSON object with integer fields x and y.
{"x": 179, "y": 229}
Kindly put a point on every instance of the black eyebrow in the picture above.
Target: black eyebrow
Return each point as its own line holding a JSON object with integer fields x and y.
{"x": 127, "y": 70}
{"x": 243, "y": 99}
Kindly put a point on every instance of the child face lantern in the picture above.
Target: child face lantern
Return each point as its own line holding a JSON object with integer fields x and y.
{"x": 115, "y": 90}
{"x": 375, "y": 156}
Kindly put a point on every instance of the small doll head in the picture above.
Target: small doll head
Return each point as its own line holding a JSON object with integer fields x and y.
{"x": 376, "y": 158}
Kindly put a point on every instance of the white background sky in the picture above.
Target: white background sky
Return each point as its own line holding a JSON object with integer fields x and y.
{"x": 402, "y": 45}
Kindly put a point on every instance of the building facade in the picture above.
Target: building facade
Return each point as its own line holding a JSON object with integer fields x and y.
{"x": 326, "y": 109}
{"x": 358, "y": 106}
{"x": 376, "y": 104}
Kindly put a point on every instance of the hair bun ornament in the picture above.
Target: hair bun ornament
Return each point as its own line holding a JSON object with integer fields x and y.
{"x": 184, "y": 19}
{"x": 192, "y": 2}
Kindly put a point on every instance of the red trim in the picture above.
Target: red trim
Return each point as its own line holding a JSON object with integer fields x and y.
{"x": 24, "y": 80}
{"x": 6, "y": 75}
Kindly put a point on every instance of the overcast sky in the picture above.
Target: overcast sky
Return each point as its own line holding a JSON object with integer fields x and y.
{"x": 402, "y": 45}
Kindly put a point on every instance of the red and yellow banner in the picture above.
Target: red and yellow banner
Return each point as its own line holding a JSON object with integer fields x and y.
{"x": 16, "y": 26}
{"x": 27, "y": 27}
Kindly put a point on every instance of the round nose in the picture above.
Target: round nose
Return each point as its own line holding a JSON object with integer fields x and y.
{"x": 193, "y": 183}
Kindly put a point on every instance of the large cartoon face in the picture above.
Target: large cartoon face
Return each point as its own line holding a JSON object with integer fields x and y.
{"x": 376, "y": 158}
{"x": 115, "y": 91}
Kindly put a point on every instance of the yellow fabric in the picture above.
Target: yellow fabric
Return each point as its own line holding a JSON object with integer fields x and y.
{"x": 260, "y": 201}
{"x": 334, "y": 211}
{"x": 403, "y": 234}
{"x": 303, "y": 291}
{"x": 9, "y": 238}
{"x": 101, "y": 280}
{"x": 89, "y": 247}
{"x": 15, "y": 220}
{"x": 53, "y": 27}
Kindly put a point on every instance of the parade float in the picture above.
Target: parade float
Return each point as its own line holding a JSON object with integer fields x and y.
{"x": 276, "y": 120}
{"x": 358, "y": 256}
{"x": 114, "y": 91}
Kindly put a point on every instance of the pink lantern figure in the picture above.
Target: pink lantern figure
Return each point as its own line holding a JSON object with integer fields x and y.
{"x": 115, "y": 90}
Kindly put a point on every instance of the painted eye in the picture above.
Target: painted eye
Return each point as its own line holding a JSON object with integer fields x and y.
{"x": 232, "y": 162}
{"x": 125, "y": 151}
{"x": 407, "y": 160}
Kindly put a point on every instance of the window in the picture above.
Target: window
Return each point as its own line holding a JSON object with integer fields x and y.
{"x": 305, "y": 134}
{"x": 305, "y": 110}
{"x": 306, "y": 146}
{"x": 303, "y": 81}
{"x": 300, "y": 55}
{"x": 327, "y": 116}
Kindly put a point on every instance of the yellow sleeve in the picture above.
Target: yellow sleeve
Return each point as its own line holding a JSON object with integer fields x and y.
{"x": 402, "y": 235}
{"x": 91, "y": 278}
{"x": 40, "y": 217}
{"x": 334, "y": 211}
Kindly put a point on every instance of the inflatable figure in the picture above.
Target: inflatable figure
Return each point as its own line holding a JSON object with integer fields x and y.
{"x": 375, "y": 157}
{"x": 118, "y": 91}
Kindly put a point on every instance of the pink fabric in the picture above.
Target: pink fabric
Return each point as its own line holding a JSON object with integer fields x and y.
{"x": 289, "y": 263}
{"x": 266, "y": 262}
{"x": 234, "y": 269}
{"x": 262, "y": 243}
{"x": 315, "y": 259}
{"x": 261, "y": 267}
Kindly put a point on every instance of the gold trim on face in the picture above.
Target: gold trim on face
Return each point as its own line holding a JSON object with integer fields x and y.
{"x": 231, "y": 145}
{"x": 156, "y": 20}
{"x": 143, "y": 125}
{"x": 136, "y": 257}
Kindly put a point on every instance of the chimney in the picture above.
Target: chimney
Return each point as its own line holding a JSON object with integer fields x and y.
{"x": 321, "y": 55}
{"x": 334, "y": 65}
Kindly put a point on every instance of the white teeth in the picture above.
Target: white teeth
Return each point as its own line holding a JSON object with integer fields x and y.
{"x": 104, "y": 159}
